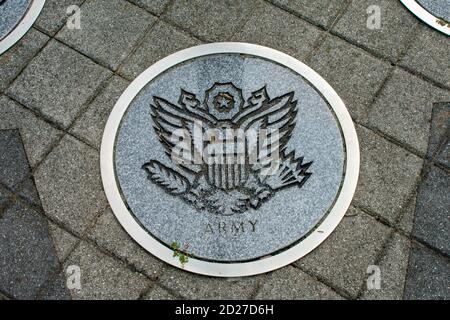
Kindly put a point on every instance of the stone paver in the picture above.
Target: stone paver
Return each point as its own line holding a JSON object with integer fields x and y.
{"x": 354, "y": 74}
{"x": 14, "y": 168}
{"x": 38, "y": 136}
{"x": 29, "y": 193}
{"x": 4, "y": 194}
{"x": 443, "y": 156}
{"x": 213, "y": 20}
{"x": 440, "y": 125}
{"x": 193, "y": 286}
{"x": 292, "y": 283}
{"x": 27, "y": 259}
{"x": 103, "y": 277}
{"x": 17, "y": 57}
{"x": 398, "y": 25}
{"x": 429, "y": 55}
{"x": 158, "y": 293}
{"x": 56, "y": 289}
{"x": 342, "y": 260}
{"x": 323, "y": 12}
{"x": 154, "y": 6}
{"x": 275, "y": 28}
{"x": 122, "y": 245}
{"x": 110, "y": 29}
{"x": 407, "y": 219}
{"x": 57, "y": 83}
{"x": 63, "y": 241}
{"x": 432, "y": 220}
{"x": 428, "y": 275}
{"x": 70, "y": 186}
{"x": 403, "y": 109}
{"x": 393, "y": 267}
{"x": 388, "y": 175}
{"x": 54, "y": 15}
{"x": 161, "y": 41}
{"x": 91, "y": 124}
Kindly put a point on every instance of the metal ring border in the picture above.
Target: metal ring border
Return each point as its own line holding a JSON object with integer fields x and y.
{"x": 24, "y": 25}
{"x": 230, "y": 269}
{"x": 421, "y": 13}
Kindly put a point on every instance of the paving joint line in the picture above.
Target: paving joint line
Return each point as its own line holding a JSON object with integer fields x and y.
{"x": 84, "y": 237}
{"x": 340, "y": 291}
{"x": 366, "y": 49}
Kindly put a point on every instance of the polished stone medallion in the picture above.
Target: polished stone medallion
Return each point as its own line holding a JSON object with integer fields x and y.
{"x": 435, "y": 13}
{"x": 16, "y": 18}
{"x": 229, "y": 159}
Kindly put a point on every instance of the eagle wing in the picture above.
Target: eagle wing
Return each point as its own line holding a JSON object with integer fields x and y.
{"x": 278, "y": 118}
{"x": 173, "y": 124}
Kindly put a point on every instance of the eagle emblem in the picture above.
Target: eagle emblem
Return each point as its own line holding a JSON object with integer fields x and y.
{"x": 228, "y": 154}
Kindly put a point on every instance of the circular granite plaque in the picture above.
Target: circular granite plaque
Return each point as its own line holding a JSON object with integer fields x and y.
{"x": 229, "y": 159}
{"x": 435, "y": 13}
{"x": 16, "y": 18}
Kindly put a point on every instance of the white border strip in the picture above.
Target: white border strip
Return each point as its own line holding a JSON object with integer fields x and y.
{"x": 425, "y": 16}
{"x": 24, "y": 25}
{"x": 284, "y": 258}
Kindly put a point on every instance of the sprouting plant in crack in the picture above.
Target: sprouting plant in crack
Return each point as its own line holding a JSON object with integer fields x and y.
{"x": 180, "y": 253}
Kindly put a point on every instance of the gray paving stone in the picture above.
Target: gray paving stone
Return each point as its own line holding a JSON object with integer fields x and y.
{"x": 342, "y": 260}
{"x": 14, "y": 169}
{"x": 91, "y": 124}
{"x": 193, "y": 286}
{"x": 27, "y": 257}
{"x": 161, "y": 41}
{"x": 213, "y": 20}
{"x": 56, "y": 289}
{"x": 103, "y": 277}
{"x": 37, "y": 135}
{"x": 428, "y": 275}
{"x": 17, "y": 57}
{"x": 393, "y": 267}
{"x": 69, "y": 184}
{"x": 440, "y": 124}
{"x": 29, "y": 193}
{"x": 407, "y": 220}
{"x": 432, "y": 221}
{"x": 397, "y": 27}
{"x": 63, "y": 241}
{"x": 110, "y": 29}
{"x": 443, "y": 156}
{"x": 429, "y": 55}
{"x": 275, "y": 28}
{"x": 4, "y": 194}
{"x": 154, "y": 6}
{"x": 158, "y": 293}
{"x": 388, "y": 175}
{"x": 54, "y": 15}
{"x": 109, "y": 234}
{"x": 353, "y": 73}
{"x": 403, "y": 109}
{"x": 322, "y": 12}
{"x": 57, "y": 83}
{"x": 290, "y": 283}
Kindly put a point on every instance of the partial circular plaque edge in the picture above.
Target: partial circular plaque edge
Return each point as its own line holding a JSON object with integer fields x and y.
{"x": 265, "y": 264}
{"x": 426, "y": 16}
{"x": 24, "y": 25}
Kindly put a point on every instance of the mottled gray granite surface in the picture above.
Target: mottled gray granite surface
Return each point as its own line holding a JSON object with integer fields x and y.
{"x": 282, "y": 220}
{"x": 11, "y": 12}
{"x": 439, "y": 8}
